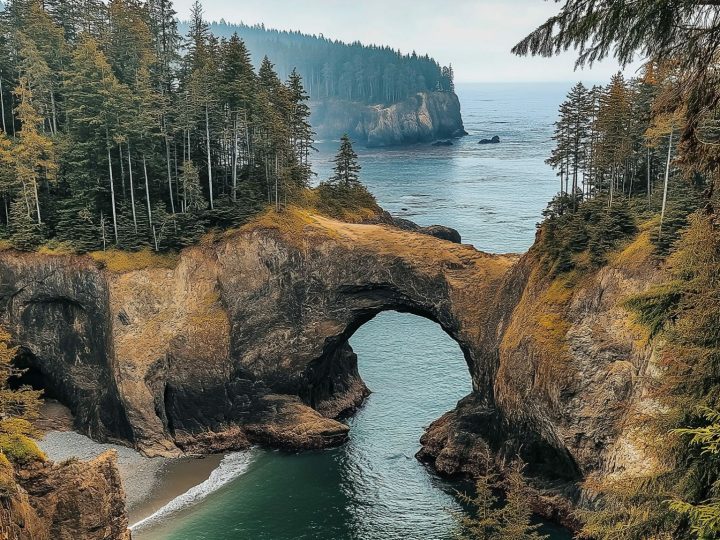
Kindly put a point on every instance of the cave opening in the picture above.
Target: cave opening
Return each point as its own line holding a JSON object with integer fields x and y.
{"x": 32, "y": 375}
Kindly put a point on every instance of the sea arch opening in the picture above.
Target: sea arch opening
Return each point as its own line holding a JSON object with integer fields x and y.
{"x": 333, "y": 384}
{"x": 415, "y": 372}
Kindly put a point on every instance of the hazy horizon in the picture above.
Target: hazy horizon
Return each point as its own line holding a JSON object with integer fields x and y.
{"x": 475, "y": 36}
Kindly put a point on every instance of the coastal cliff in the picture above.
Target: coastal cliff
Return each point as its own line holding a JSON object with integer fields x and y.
{"x": 243, "y": 340}
{"x": 424, "y": 117}
{"x": 573, "y": 366}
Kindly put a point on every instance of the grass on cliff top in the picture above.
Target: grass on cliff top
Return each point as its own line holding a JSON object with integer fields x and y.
{"x": 128, "y": 261}
{"x": 353, "y": 205}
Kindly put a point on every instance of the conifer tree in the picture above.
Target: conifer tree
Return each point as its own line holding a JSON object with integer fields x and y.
{"x": 346, "y": 172}
{"x": 25, "y": 233}
{"x": 34, "y": 154}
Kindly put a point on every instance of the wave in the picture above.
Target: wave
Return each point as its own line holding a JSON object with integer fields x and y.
{"x": 232, "y": 466}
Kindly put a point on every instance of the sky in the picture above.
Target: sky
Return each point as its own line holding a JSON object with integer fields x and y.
{"x": 475, "y": 36}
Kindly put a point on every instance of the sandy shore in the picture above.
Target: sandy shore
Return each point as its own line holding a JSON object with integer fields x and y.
{"x": 149, "y": 483}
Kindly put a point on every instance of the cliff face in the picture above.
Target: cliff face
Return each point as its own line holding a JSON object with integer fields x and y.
{"x": 245, "y": 340}
{"x": 571, "y": 369}
{"x": 425, "y": 117}
{"x": 63, "y": 501}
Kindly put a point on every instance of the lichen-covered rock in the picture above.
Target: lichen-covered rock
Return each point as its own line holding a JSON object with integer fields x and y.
{"x": 425, "y": 117}
{"x": 65, "y": 501}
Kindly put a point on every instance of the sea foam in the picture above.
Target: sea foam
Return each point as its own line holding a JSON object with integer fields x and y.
{"x": 232, "y": 466}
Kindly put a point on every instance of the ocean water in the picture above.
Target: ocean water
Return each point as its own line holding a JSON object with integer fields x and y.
{"x": 373, "y": 488}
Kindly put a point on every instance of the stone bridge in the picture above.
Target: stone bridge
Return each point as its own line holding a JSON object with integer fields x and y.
{"x": 244, "y": 339}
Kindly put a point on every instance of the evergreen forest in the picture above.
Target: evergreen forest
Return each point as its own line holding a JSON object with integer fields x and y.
{"x": 117, "y": 131}
{"x": 347, "y": 71}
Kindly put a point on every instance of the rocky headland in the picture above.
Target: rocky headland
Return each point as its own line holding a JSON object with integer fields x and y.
{"x": 243, "y": 340}
{"x": 425, "y": 117}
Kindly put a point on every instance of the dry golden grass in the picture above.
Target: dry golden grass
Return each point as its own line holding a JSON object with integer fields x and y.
{"x": 56, "y": 249}
{"x": 128, "y": 261}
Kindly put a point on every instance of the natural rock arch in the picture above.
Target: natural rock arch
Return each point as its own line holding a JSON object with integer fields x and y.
{"x": 244, "y": 340}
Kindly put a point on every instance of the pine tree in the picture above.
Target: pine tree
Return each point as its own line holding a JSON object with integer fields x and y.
{"x": 301, "y": 132}
{"x": 25, "y": 233}
{"x": 492, "y": 519}
{"x": 347, "y": 168}
{"x": 193, "y": 199}
{"x": 614, "y": 139}
{"x": 34, "y": 154}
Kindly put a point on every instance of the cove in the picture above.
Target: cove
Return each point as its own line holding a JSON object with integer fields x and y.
{"x": 372, "y": 487}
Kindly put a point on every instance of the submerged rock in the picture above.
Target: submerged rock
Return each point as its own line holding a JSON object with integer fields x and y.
{"x": 443, "y": 143}
{"x": 494, "y": 140}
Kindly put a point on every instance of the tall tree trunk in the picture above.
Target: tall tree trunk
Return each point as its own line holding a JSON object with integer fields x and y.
{"x": 169, "y": 170}
{"x": 122, "y": 171}
{"x": 207, "y": 135}
{"x": 112, "y": 187}
{"x": 235, "y": 159}
{"x": 132, "y": 190}
{"x": 649, "y": 192}
{"x": 2, "y": 106}
{"x": 54, "y": 112}
{"x": 37, "y": 200}
{"x": 147, "y": 193}
{"x": 667, "y": 181}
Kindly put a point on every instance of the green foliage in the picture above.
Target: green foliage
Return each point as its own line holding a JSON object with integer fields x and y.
{"x": 490, "y": 519}
{"x": 18, "y": 409}
{"x": 25, "y": 233}
{"x": 343, "y": 193}
{"x": 346, "y": 172}
{"x": 656, "y": 306}
{"x": 20, "y": 449}
{"x": 593, "y": 228}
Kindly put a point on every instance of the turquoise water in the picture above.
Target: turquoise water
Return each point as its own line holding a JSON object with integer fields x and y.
{"x": 372, "y": 487}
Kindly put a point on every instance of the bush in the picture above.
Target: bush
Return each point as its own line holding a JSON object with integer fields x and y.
{"x": 341, "y": 201}
{"x": 20, "y": 449}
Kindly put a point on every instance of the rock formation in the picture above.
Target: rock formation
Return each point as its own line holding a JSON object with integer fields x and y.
{"x": 67, "y": 501}
{"x": 425, "y": 117}
{"x": 245, "y": 340}
{"x": 494, "y": 140}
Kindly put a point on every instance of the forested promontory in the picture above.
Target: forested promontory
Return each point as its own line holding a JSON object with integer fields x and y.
{"x": 377, "y": 95}
{"x": 333, "y": 69}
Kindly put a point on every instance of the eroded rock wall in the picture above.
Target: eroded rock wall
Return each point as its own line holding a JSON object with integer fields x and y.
{"x": 572, "y": 365}
{"x": 66, "y": 501}
{"x": 425, "y": 117}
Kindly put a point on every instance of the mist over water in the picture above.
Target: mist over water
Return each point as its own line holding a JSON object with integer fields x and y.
{"x": 373, "y": 488}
